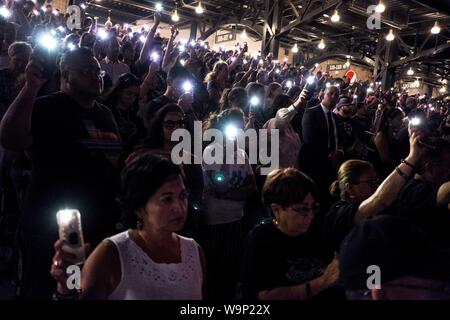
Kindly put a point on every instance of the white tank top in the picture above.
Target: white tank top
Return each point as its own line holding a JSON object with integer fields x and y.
{"x": 144, "y": 279}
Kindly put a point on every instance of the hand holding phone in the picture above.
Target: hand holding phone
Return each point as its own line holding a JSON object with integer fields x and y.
{"x": 70, "y": 232}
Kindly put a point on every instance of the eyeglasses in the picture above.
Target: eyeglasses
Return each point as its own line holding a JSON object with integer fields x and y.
{"x": 304, "y": 211}
{"x": 90, "y": 72}
{"x": 173, "y": 124}
{"x": 375, "y": 182}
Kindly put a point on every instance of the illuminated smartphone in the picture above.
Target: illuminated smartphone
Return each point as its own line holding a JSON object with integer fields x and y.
{"x": 69, "y": 229}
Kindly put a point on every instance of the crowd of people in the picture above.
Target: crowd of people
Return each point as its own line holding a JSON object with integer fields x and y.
{"x": 87, "y": 118}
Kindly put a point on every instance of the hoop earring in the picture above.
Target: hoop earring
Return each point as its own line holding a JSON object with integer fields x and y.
{"x": 139, "y": 224}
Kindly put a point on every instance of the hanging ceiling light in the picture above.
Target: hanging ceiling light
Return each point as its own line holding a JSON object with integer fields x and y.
{"x": 321, "y": 44}
{"x": 436, "y": 29}
{"x": 244, "y": 35}
{"x": 295, "y": 48}
{"x": 175, "y": 16}
{"x": 380, "y": 8}
{"x": 199, "y": 9}
{"x": 410, "y": 72}
{"x": 335, "y": 17}
{"x": 159, "y": 7}
{"x": 390, "y": 36}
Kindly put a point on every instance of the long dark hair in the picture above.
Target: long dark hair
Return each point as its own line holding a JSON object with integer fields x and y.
{"x": 110, "y": 99}
{"x": 388, "y": 114}
{"x": 155, "y": 136}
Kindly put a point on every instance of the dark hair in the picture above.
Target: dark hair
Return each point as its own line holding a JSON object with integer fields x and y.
{"x": 155, "y": 136}
{"x": 69, "y": 59}
{"x": 253, "y": 87}
{"x": 87, "y": 40}
{"x": 435, "y": 151}
{"x": 177, "y": 72}
{"x": 126, "y": 45}
{"x": 218, "y": 121}
{"x": 281, "y": 101}
{"x": 126, "y": 80}
{"x": 140, "y": 179}
{"x": 388, "y": 114}
{"x": 235, "y": 96}
{"x": 286, "y": 187}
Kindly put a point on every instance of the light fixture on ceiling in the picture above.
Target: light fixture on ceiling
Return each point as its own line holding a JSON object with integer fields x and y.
{"x": 244, "y": 35}
{"x": 380, "y": 8}
{"x": 335, "y": 17}
{"x": 321, "y": 44}
{"x": 199, "y": 8}
{"x": 436, "y": 29}
{"x": 390, "y": 36}
{"x": 175, "y": 16}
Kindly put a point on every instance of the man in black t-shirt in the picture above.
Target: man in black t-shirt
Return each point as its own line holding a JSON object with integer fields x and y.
{"x": 425, "y": 199}
{"x": 73, "y": 143}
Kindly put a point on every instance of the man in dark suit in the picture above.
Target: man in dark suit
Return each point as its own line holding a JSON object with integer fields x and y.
{"x": 321, "y": 153}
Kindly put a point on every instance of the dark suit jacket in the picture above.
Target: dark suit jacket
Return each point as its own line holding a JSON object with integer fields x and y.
{"x": 314, "y": 152}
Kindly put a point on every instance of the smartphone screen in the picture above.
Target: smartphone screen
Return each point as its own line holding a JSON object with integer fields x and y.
{"x": 70, "y": 231}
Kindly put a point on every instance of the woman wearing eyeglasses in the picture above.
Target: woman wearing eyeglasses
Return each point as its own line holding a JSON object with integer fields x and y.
{"x": 165, "y": 121}
{"x": 282, "y": 259}
{"x": 361, "y": 194}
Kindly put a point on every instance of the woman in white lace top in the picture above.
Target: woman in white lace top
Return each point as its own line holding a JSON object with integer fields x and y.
{"x": 150, "y": 261}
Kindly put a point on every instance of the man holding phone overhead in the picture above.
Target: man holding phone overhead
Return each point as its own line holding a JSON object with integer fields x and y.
{"x": 73, "y": 143}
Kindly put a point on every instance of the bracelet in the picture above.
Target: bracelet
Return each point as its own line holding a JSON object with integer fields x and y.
{"x": 308, "y": 290}
{"x": 70, "y": 296}
{"x": 401, "y": 173}
{"x": 408, "y": 164}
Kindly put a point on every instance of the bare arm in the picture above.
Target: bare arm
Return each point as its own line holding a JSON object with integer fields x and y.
{"x": 388, "y": 191}
{"x": 15, "y": 127}
{"x": 443, "y": 195}
{"x": 299, "y": 292}
{"x": 101, "y": 272}
{"x": 246, "y": 76}
{"x": 149, "y": 40}
{"x": 168, "y": 62}
{"x": 383, "y": 148}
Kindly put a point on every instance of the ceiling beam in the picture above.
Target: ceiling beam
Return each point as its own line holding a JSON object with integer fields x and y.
{"x": 423, "y": 54}
{"x": 308, "y": 17}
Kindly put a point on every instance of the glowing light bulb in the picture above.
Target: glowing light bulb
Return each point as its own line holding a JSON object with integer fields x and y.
{"x": 410, "y": 72}
{"x": 199, "y": 9}
{"x": 436, "y": 29}
{"x": 380, "y": 8}
{"x": 159, "y": 7}
{"x": 390, "y": 36}
{"x": 335, "y": 17}
{"x": 244, "y": 35}
{"x": 295, "y": 48}
{"x": 175, "y": 16}
{"x": 321, "y": 45}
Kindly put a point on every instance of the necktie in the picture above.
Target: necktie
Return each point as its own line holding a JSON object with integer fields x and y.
{"x": 331, "y": 138}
